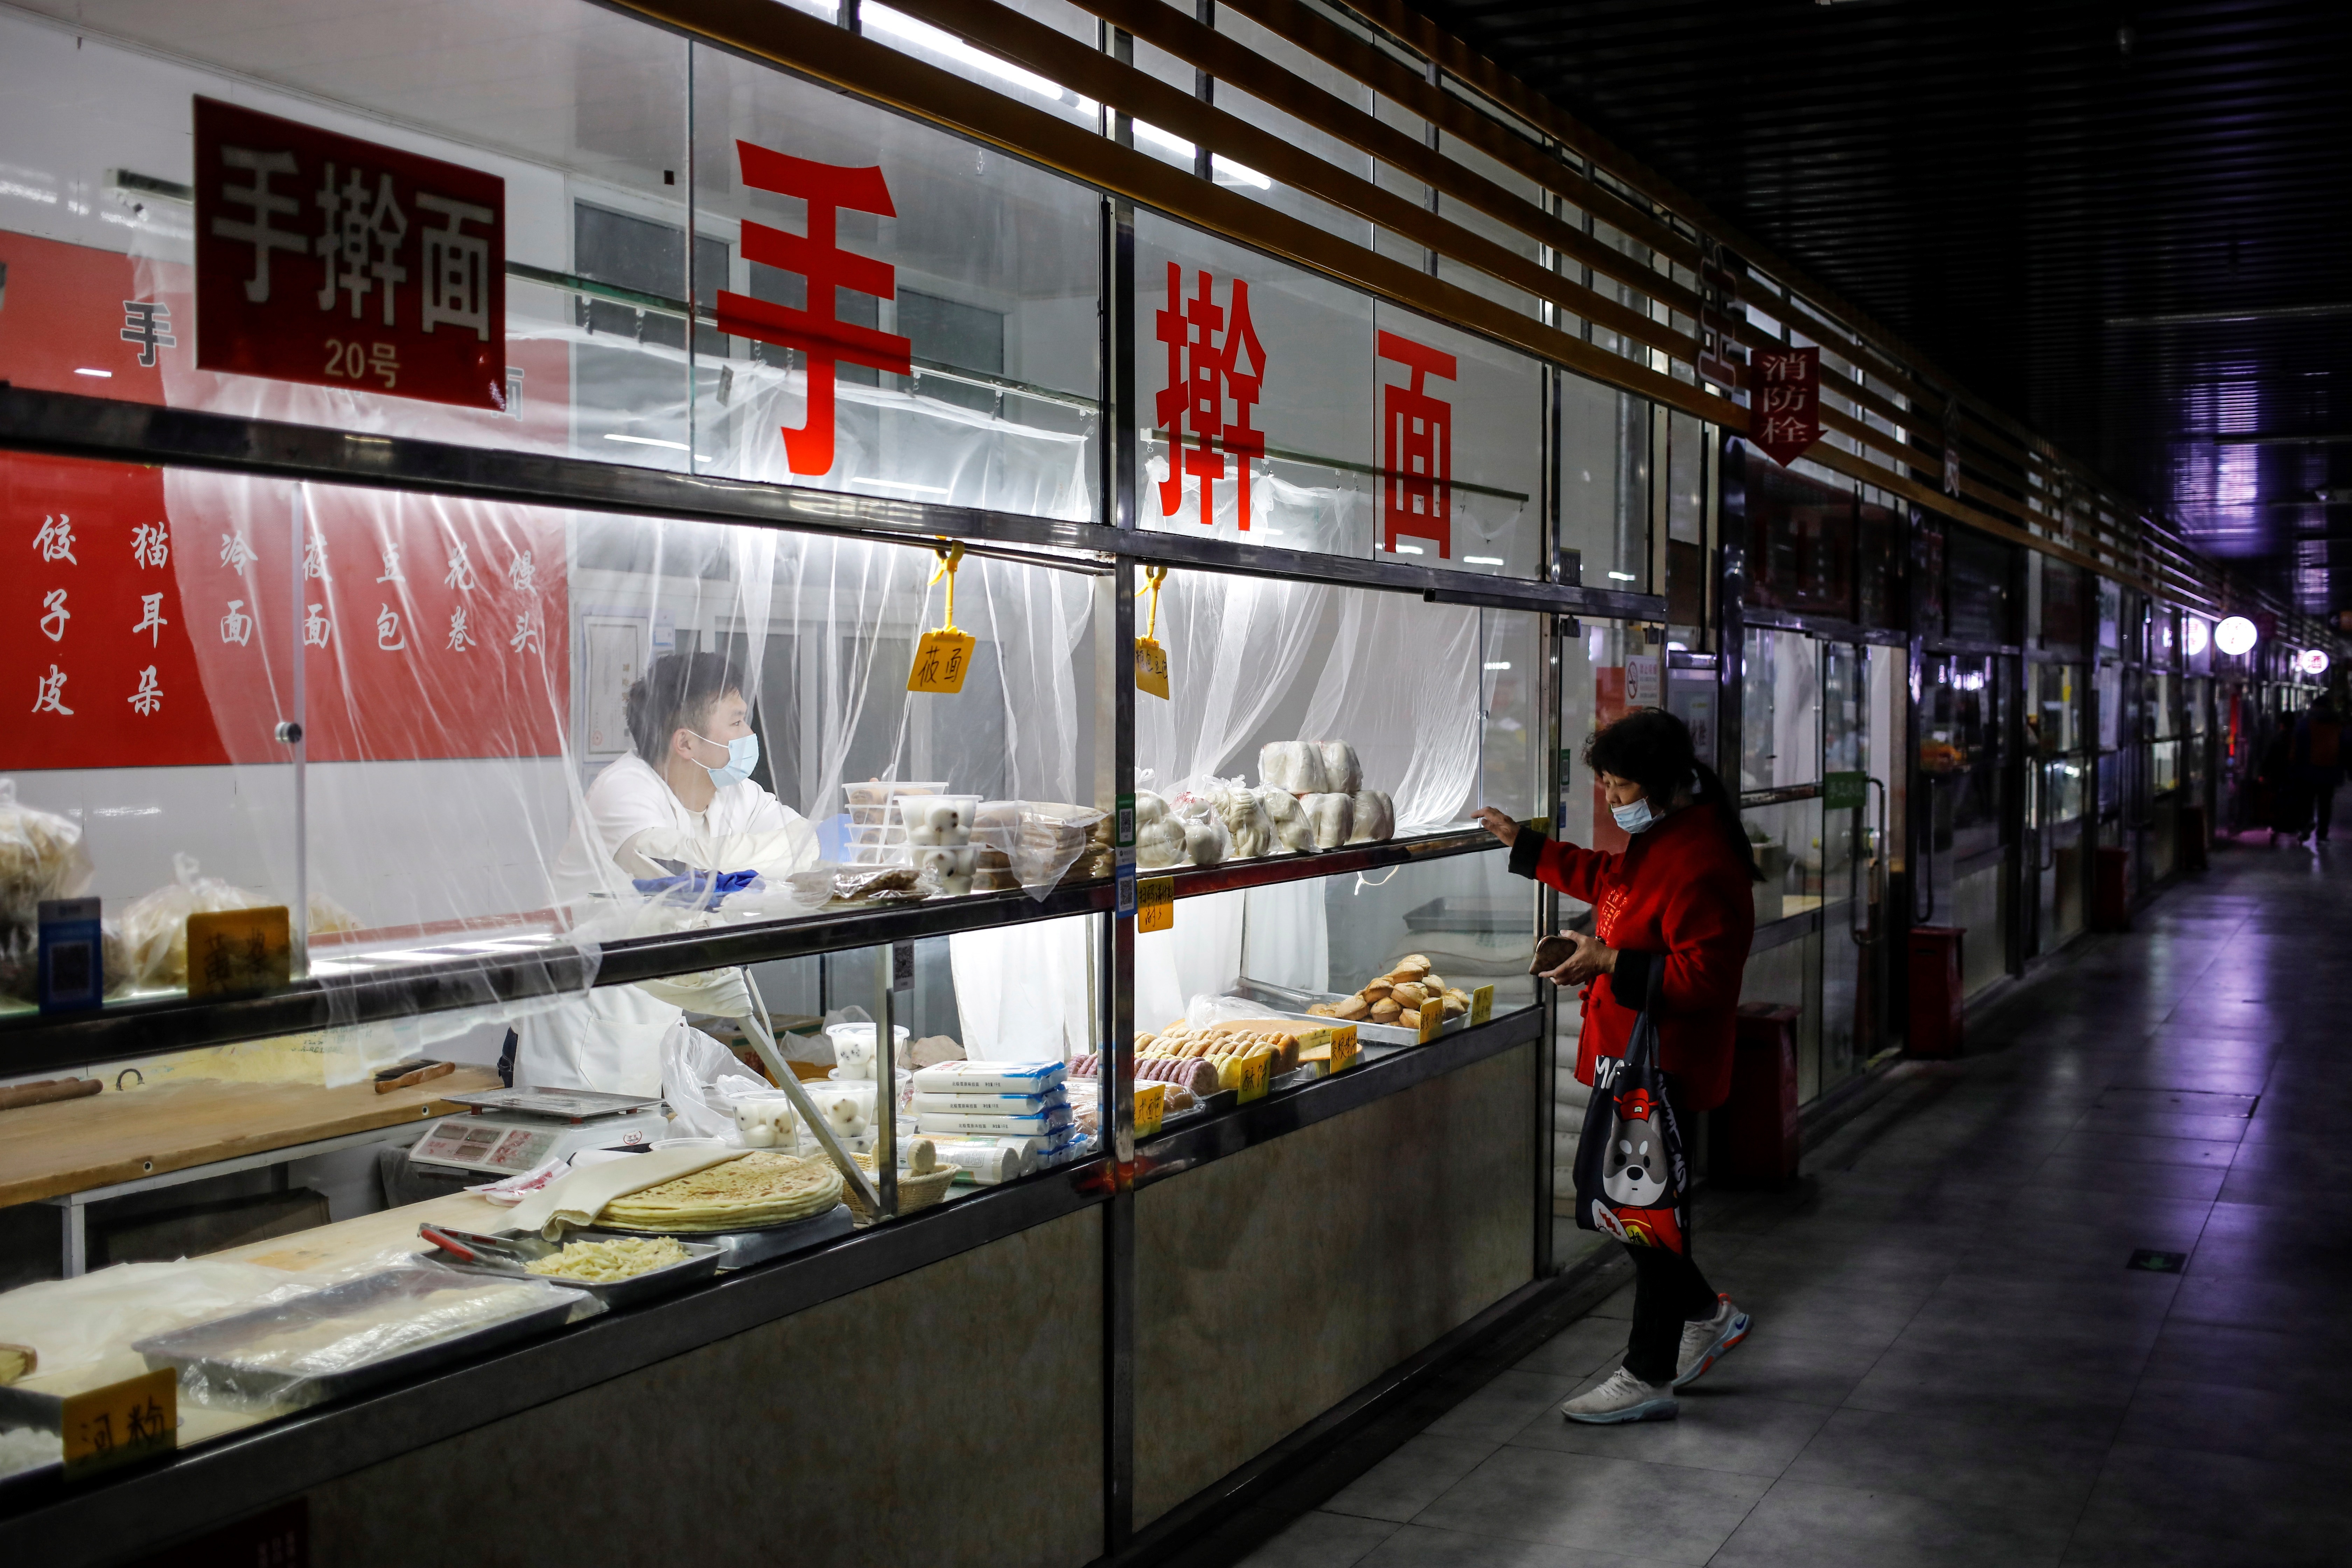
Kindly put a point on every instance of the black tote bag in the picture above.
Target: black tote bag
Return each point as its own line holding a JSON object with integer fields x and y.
{"x": 1632, "y": 1181}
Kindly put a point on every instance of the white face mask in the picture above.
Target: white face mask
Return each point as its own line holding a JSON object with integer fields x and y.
{"x": 1636, "y": 818}
{"x": 743, "y": 756}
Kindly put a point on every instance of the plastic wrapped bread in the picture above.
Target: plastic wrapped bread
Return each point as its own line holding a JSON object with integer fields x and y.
{"x": 41, "y": 857}
{"x": 1332, "y": 815}
{"x": 1250, "y": 828}
{"x": 1293, "y": 833}
{"x": 1293, "y": 765}
{"x": 1195, "y": 809}
{"x": 1375, "y": 818}
{"x": 1342, "y": 774}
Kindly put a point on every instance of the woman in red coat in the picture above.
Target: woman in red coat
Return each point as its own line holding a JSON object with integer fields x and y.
{"x": 1675, "y": 901}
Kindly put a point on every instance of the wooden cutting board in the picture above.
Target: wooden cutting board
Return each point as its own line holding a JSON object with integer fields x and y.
{"x": 73, "y": 1145}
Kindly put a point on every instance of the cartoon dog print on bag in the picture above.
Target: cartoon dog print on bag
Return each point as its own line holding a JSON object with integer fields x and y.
{"x": 1635, "y": 1174}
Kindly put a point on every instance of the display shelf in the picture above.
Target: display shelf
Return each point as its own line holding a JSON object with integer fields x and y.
{"x": 107, "y": 429}
{"x": 434, "y": 980}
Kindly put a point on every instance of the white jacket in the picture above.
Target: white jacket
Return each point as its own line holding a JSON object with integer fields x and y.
{"x": 612, "y": 1038}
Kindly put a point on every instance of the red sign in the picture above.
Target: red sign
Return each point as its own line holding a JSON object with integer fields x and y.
{"x": 326, "y": 260}
{"x": 1417, "y": 449}
{"x": 816, "y": 331}
{"x": 1784, "y": 402}
{"x": 1213, "y": 356}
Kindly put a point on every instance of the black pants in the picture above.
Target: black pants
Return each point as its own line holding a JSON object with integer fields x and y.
{"x": 1668, "y": 1291}
{"x": 2323, "y": 800}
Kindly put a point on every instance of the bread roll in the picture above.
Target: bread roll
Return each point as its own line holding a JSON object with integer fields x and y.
{"x": 1375, "y": 818}
{"x": 1332, "y": 815}
{"x": 1341, "y": 770}
{"x": 1454, "y": 1009}
{"x": 1421, "y": 959}
{"x": 1408, "y": 996}
{"x": 1353, "y": 1008}
{"x": 1293, "y": 833}
{"x": 1376, "y": 990}
{"x": 1385, "y": 1012}
{"x": 1409, "y": 1019}
{"x": 1292, "y": 766}
{"x": 1433, "y": 983}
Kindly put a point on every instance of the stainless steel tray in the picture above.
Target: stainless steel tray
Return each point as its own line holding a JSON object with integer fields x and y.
{"x": 1283, "y": 1002}
{"x": 210, "y": 1350}
{"x": 702, "y": 1259}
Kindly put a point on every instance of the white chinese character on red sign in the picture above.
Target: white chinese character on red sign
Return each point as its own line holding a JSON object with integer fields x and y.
{"x": 526, "y": 632}
{"x": 387, "y": 629}
{"x": 361, "y": 242}
{"x": 1417, "y": 447}
{"x": 151, "y": 618}
{"x": 49, "y": 695}
{"x": 150, "y": 545}
{"x": 316, "y": 627}
{"x": 521, "y": 573}
{"x": 236, "y": 553}
{"x": 237, "y": 627}
{"x": 54, "y": 603}
{"x": 267, "y": 207}
{"x": 392, "y": 563}
{"x": 1205, "y": 370}
{"x": 314, "y": 558}
{"x": 456, "y": 267}
{"x": 149, "y": 697}
{"x": 817, "y": 331}
{"x": 55, "y": 539}
{"x": 460, "y": 639}
{"x": 461, "y": 571}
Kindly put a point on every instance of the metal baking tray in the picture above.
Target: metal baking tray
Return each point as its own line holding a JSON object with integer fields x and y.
{"x": 1285, "y": 1002}
{"x": 210, "y": 1350}
{"x": 701, "y": 1262}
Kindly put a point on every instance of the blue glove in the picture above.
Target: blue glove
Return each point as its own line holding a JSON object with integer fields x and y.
{"x": 702, "y": 889}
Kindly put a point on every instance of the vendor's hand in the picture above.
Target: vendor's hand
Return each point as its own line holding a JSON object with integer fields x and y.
{"x": 1592, "y": 957}
{"x": 1499, "y": 825}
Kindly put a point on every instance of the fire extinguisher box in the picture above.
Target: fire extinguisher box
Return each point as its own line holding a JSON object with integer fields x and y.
{"x": 1935, "y": 1028}
{"x": 1754, "y": 1135}
{"x": 2111, "y": 890}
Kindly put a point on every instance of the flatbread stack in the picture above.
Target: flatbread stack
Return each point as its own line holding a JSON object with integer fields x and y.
{"x": 753, "y": 1192}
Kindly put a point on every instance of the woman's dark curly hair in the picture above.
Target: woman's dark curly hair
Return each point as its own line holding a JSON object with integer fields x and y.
{"x": 1653, "y": 747}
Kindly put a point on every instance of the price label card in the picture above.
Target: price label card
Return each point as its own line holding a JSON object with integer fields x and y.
{"x": 1151, "y": 667}
{"x": 1481, "y": 1003}
{"x": 1249, "y": 1077}
{"x": 239, "y": 950}
{"x": 1844, "y": 791}
{"x": 1343, "y": 1048}
{"x": 123, "y": 1422}
{"x": 1151, "y": 1108}
{"x": 1433, "y": 1018}
{"x": 941, "y": 661}
{"x": 1155, "y": 904}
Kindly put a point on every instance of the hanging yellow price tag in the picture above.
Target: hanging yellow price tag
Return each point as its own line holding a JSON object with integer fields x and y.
{"x": 1151, "y": 659}
{"x": 1481, "y": 1003}
{"x": 943, "y": 657}
{"x": 1155, "y": 904}
{"x": 233, "y": 950}
{"x": 120, "y": 1423}
{"x": 1151, "y": 1108}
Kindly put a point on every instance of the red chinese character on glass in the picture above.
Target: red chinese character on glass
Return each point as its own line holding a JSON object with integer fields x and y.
{"x": 817, "y": 331}
{"x": 1417, "y": 447}
{"x": 1205, "y": 371}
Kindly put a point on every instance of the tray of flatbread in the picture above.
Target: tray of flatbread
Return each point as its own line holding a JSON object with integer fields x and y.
{"x": 761, "y": 1189}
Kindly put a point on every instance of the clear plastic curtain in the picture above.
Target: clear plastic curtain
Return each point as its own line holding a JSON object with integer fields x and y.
{"x": 1403, "y": 683}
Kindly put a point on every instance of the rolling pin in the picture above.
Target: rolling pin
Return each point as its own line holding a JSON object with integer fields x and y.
{"x": 46, "y": 1089}
{"x": 408, "y": 1074}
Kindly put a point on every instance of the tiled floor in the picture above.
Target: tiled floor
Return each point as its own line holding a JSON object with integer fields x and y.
{"x": 1951, "y": 1362}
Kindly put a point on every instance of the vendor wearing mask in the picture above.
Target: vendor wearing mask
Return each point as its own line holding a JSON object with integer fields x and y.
{"x": 685, "y": 799}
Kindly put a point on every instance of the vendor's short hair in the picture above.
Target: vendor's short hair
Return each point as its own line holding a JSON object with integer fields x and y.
{"x": 678, "y": 693}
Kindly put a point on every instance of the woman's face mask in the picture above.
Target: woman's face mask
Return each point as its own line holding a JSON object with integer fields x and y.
{"x": 1634, "y": 818}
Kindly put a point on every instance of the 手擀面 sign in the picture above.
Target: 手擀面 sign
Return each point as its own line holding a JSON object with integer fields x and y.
{"x": 1784, "y": 401}
{"x": 323, "y": 259}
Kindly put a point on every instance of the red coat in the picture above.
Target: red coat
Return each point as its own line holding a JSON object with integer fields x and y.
{"x": 1678, "y": 889}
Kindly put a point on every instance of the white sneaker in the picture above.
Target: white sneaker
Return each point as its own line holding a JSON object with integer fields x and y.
{"x": 1623, "y": 1397}
{"x": 1705, "y": 1341}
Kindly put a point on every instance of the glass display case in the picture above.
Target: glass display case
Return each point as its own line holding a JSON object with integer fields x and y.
{"x": 678, "y": 797}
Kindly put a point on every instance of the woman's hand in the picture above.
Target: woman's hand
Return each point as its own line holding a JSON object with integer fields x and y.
{"x": 1501, "y": 826}
{"x": 1592, "y": 957}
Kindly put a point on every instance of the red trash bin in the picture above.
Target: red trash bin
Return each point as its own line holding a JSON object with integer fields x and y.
{"x": 2111, "y": 890}
{"x": 1755, "y": 1133}
{"x": 1935, "y": 1028}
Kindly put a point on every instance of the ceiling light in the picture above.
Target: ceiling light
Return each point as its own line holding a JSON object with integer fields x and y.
{"x": 85, "y": 370}
{"x": 1482, "y": 561}
{"x": 1622, "y": 576}
{"x": 1506, "y": 665}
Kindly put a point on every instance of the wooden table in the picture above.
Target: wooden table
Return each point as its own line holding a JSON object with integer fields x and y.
{"x": 75, "y": 1153}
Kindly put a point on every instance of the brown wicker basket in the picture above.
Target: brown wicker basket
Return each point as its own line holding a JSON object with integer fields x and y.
{"x": 915, "y": 1192}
